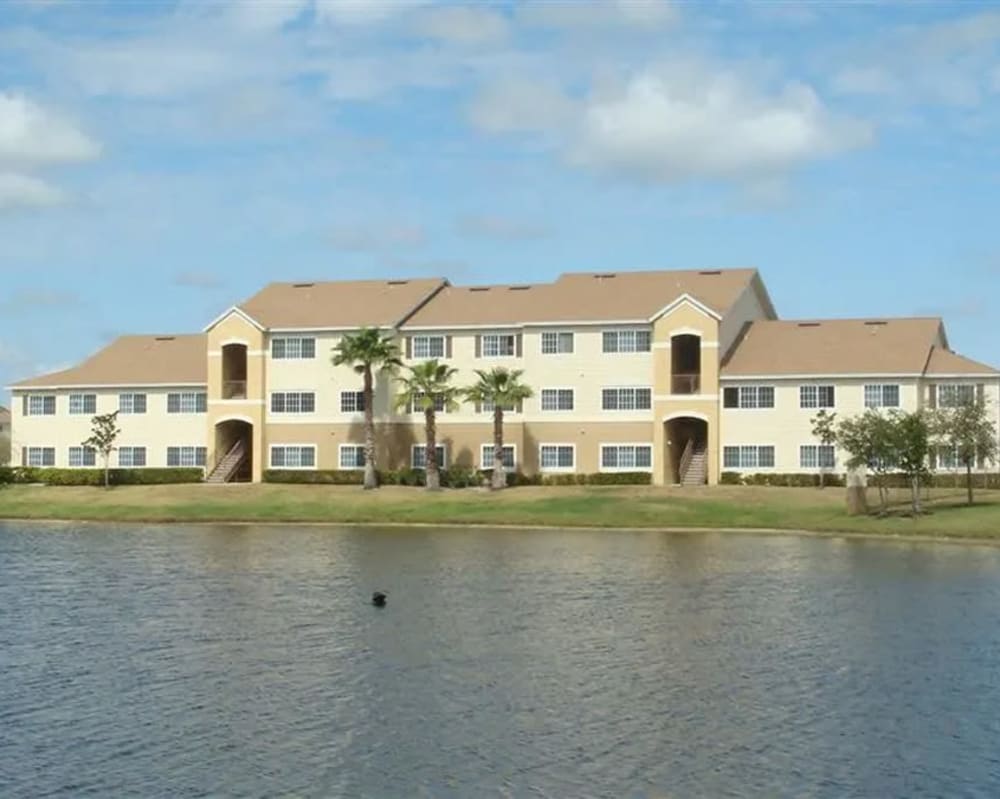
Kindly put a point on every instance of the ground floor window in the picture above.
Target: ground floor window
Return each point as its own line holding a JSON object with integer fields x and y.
{"x": 186, "y": 456}
{"x": 947, "y": 458}
{"x": 752, "y": 456}
{"x": 817, "y": 456}
{"x": 298, "y": 456}
{"x": 352, "y": 456}
{"x": 131, "y": 457}
{"x": 82, "y": 456}
{"x": 626, "y": 457}
{"x": 507, "y": 453}
{"x": 557, "y": 457}
{"x": 40, "y": 456}
{"x": 418, "y": 457}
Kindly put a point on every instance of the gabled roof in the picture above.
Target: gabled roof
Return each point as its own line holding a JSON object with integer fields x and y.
{"x": 586, "y": 297}
{"x": 946, "y": 362}
{"x": 341, "y": 304}
{"x": 835, "y": 347}
{"x": 135, "y": 361}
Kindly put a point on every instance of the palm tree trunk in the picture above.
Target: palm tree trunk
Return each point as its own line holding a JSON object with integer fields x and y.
{"x": 499, "y": 480}
{"x": 968, "y": 479}
{"x": 430, "y": 457}
{"x": 371, "y": 480}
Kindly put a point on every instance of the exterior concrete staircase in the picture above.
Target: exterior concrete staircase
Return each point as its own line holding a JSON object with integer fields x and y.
{"x": 229, "y": 466}
{"x": 694, "y": 467}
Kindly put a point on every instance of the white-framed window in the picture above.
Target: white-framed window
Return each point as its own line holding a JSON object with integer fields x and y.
{"x": 186, "y": 456}
{"x": 293, "y": 402}
{"x": 557, "y": 399}
{"x": 289, "y": 348}
{"x": 40, "y": 456}
{"x": 626, "y": 399}
{"x": 955, "y": 395}
{"x": 187, "y": 402}
{"x": 487, "y": 406}
{"x": 508, "y": 453}
{"x": 40, "y": 405}
{"x": 947, "y": 457}
{"x": 752, "y": 456}
{"x": 817, "y": 456}
{"x": 82, "y": 404}
{"x": 418, "y": 398}
{"x": 626, "y": 340}
{"x": 816, "y": 396}
{"x": 293, "y": 456}
{"x": 352, "y": 401}
{"x": 352, "y": 456}
{"x": 425, "y": 347}
{"x": 882, "y": 395}
{"x": 556, "y": 342}
{"x": 418, "y": 456}
{"x": 626, "y": 457}
{"x": 498, "y": 345}
{"x": 131, "y": 457}
{"x": 131, "y": 403}
{"x": 748, "y": 397}
{"x": 82, "y": 456}
{"x": 557, "y": 457}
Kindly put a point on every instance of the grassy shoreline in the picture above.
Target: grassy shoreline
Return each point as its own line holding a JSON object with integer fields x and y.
{"x": 744, "y": 508}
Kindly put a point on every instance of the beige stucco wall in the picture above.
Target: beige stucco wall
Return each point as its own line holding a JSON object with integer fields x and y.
{"x": 746, "y": 309}
{"x": 156, "y": 429}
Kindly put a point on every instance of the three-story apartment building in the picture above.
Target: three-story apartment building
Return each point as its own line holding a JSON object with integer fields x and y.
{"x": 682, "y": 374}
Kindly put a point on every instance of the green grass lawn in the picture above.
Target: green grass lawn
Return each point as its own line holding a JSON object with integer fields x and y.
{"x": 626, "y": 506}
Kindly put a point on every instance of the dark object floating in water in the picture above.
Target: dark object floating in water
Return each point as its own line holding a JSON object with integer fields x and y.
{"x": 378, "y": 599}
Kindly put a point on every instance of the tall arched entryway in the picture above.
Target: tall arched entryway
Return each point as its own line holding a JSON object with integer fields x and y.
{"x": 233, "y": 452}
{"x": 687, "y": 450}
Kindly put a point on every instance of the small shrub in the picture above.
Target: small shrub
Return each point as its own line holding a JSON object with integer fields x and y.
{"x": 731, "y": 479}
{"x": 95, "y": 477}
{"x": 319, "y": 476}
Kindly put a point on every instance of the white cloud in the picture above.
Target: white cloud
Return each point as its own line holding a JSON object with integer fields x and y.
{"x": 521, "y": 106}
{"x": 502, "y": 228}
{"x": 598, "y": 14}
{"x": 25, "y": 191}
{"x": 266, "y": 15}
{"x": 367, "y": 237}
{"x": 685, "y": 121}
{"x": 32, "y": 135}
{"x": 467, "y": 25}
{"x": 865, "y": 80}
{"x": 362, "y": 12}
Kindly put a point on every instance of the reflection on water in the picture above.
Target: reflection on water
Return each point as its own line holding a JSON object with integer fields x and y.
{"x": 248, "y": 661}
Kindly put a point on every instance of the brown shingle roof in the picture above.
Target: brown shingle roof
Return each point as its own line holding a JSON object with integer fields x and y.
{"x": 946, "y": 362}
{"x": 834, "y": 347}
{"x": 338, "y": 304}
{"x": 136, "y": 361}
{"x": 584, "y": 297}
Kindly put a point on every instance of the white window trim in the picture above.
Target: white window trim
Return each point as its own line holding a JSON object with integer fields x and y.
{"x": 482, "y": 457}
{"x": 340, "y": 402}
{"x": 340, "y": 456}
{"x": 270, "y": 457}
{"x": 83, "y": 399}
{"x": 722, "y": 459}
{"x": 55, "y": 404}
{"x": 882, "y": 387}
{"x": 816, "y": 468}
{"x": 627, "y": 410}
{"x": 543, "y": 409}
{"x": 557, "y": 334}
{"x": 69, "y": 457}
{"x": 55, "y": 455}
{"x": 556, "y": 469}
{"x": 413, "y": 460}
{"x": 496, "y": 334}
{"x": 625, "y": 329}
{"x": 957, "y": 387}
{"x": 180, "y": 410}
{"x": 133, "y": 447}
{"x": 817, "y": 407}
{"x": 133, "y": 395}
{"x": 292, "y": 413}
{"x": 286, "y": 338}
{"x": 758, "y": 386}
{"x": 428, "y": 337}
{"x": 600, "y": 456}
{"x": 180, "y": 465}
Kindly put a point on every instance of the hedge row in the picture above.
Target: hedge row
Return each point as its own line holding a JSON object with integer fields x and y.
{"x": 455, "y": 477}
{"x": 895, "y": 480}
{"x": 95, "y": 477}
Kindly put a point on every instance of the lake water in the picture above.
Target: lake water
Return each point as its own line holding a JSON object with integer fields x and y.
{"x": 247, "y": 661}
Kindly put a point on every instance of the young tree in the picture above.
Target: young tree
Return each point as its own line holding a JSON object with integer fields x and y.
{"x": 427, "y": 388}
{"x": 104, "y": 432}
{"x": 503, "y": 389}
{"x": 368, "y": 352}
{"x": 910, "y": 441}
{"x": 825, "y": 430}
{"x": 970, "y": 430}
{"x": 867, "y": 440}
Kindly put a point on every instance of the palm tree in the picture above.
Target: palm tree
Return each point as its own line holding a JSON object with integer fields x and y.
{"x": 503, "y": 389}
{"x": 368, "y": 351}
{"x": 428, "y": 388}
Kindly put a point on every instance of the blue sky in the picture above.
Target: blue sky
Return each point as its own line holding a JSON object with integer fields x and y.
{"x": 162, "y": 160}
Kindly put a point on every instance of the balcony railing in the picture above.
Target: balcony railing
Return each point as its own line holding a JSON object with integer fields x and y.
{"x": 686, "y": 384}
{"x": 234, "y": 389}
